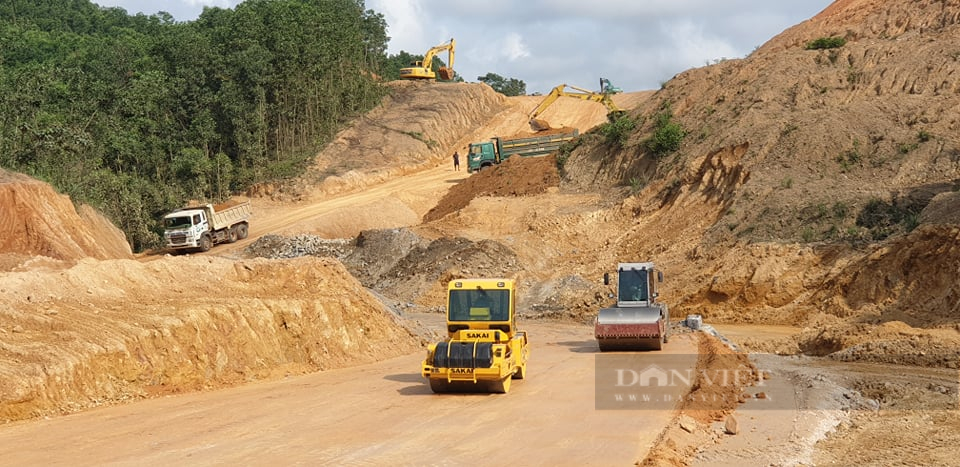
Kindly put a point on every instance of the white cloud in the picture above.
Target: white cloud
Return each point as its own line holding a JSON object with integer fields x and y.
{"x": 691, "y": 47}
{"x": 216, "y": 3}
{"x": 513, "y": 47}
{"x": 405, "y": 20}
{"x": 635, "y": 43}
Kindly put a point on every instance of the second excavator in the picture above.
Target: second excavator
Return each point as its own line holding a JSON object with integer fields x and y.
{"x": 424, "y": 69}
{"x": 602, "y": 97}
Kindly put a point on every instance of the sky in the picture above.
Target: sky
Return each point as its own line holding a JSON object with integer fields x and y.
{"x": 636, "y": 44}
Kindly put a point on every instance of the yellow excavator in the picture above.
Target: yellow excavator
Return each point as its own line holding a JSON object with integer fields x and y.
{"x": 484, "y": 350}
{"x": 579, "y": 93}
{"x": 424, "y": 69}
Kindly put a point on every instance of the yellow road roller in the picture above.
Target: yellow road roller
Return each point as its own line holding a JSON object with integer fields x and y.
{"x": 484, "y": 351}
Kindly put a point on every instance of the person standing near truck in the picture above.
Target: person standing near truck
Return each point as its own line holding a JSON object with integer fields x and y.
{"x": 456, "y": 160}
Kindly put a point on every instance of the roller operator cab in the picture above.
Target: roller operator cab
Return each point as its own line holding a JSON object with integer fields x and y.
{"x": 484, "y": 350}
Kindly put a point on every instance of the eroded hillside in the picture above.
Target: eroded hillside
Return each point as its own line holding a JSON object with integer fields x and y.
{"x": 36, "y": 221}
{"x": 797, "y": 163}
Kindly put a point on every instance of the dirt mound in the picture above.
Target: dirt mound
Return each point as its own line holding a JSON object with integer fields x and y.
{"x": 423, "y": 274}
{"x": 106, "y": 331}
{"x": 35, "y": 220}
{"x": 407, "y": 269}
{"x": 909, "y": 279}
{"x": 279, "y": 247}
{"x": 705, "y": 403}
{"x": 547, "y": 132}
{"x": 517, "y": 176}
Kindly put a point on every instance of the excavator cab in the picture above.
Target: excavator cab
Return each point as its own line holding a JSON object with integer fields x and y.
{"x": 606, "y": 87}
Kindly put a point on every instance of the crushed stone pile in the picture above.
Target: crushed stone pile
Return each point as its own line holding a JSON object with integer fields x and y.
{"x": 281, "y": 247}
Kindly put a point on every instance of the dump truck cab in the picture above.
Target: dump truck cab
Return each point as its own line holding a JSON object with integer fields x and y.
{"x": 484, "y": 350}
{"x": 482, "y": 154}
{"x": 639, "y": 321}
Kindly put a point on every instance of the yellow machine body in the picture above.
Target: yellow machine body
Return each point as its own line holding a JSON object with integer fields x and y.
{"x": 424, "y": 69}
{"x": 484, "y": 350}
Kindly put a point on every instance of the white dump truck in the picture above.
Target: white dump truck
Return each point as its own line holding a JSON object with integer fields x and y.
{"x": 201, "y": 227}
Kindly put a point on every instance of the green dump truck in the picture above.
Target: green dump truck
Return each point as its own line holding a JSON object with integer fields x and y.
{"x": 497, "y": 150}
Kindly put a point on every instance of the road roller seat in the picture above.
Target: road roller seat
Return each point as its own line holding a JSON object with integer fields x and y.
{"x": 480, "y": 314}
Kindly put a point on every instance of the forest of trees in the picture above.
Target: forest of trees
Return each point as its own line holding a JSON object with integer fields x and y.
{"x": 137, "y": 114}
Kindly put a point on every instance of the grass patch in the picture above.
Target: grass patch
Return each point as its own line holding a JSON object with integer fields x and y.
{"x": 667, "y": 134}
{"x": 883, "y": 219}
{"x": 850, "y": 157}
{"x": 423, "y": 139}
{"x": 617, "y": 131}
{"x": 826, "y": 43}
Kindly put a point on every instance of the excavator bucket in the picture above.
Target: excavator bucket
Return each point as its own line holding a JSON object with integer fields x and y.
{"x": 445, "y": 73}
{"x": 537, "y": 124}
{"x": 639, "y": 328}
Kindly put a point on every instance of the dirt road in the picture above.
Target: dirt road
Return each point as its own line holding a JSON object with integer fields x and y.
{"x": 398, "y": 202}
{"x": 368, "y": 415}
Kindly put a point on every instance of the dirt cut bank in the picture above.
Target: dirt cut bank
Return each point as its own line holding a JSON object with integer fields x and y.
{"x": 36, "y": 221}
{"x": 107, "y": 331}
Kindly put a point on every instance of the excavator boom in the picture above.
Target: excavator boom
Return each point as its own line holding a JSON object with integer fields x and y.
{"x": 579, "y": 93}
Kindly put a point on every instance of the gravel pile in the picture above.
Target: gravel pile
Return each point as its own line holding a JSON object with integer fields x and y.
{"x": 278, "y": 246}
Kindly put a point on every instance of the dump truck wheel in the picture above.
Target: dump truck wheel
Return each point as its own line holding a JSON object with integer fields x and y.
{"x": 232, "y": 235}
{"x": 206, "y": 243}
{"x": 242, "y": 231}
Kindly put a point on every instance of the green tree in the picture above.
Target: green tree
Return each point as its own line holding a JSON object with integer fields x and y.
{"x": 507, "y": 87}
{"x": 136, "y": 114}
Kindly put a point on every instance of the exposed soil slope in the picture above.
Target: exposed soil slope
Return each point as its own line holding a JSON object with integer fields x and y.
{"x": 36, "y": 221}
{"x": 795, "y": 161}
{"x": 814, "y": 188}
{"x": 104, "y": 331}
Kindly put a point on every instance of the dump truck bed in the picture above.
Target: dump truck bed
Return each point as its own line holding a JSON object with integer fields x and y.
{"x": 534, "y": 145}
{"x": 226, "y": 214}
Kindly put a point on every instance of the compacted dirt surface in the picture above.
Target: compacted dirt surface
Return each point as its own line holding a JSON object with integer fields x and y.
{"x": 809, "y": 218}
{"x": 374, "y": 414}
